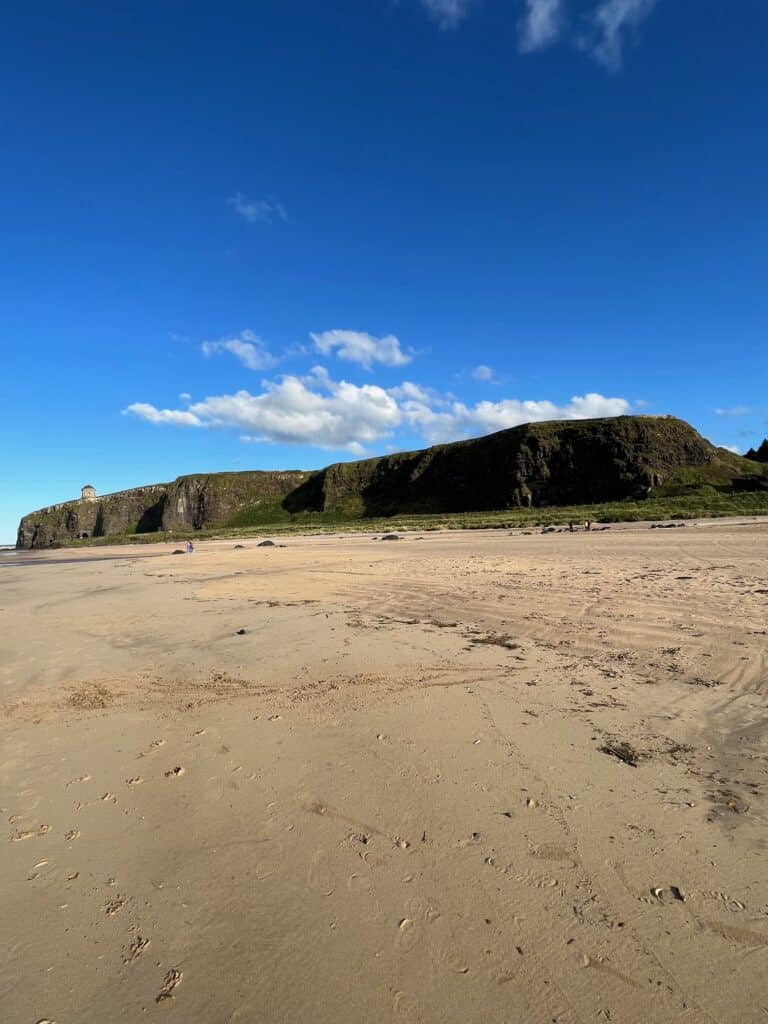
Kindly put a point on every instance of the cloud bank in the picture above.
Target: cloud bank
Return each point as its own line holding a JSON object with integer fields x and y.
{"x": 313, "y": 410}
{"x": 325, "y": 413}
{"x": 439, "y": 424}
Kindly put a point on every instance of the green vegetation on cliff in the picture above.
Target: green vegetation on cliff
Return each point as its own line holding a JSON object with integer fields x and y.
{"x": 629, "y": 467}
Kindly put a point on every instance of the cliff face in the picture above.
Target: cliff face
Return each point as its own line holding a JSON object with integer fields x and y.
{"x": 537, "y": 464}
{"x": 189, "y": 503}
{"x": 193, "y": 502}
{"x": 135, "y": 511}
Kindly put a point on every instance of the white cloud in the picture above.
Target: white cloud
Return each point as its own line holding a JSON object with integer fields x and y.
{"x": 359, "y": 347}
{"x": 448, "y": 13}
{"x": 315, "y": 410}
{"x": 540, "y": 25}
{"x": 543, "y": 23}
{"x": 460, "y": 420}
{"x": 177, "y": 417}
{"x": 412, "y": 392}
{"x": 185, "y": 397}
{"x": 736, "y": 410}
{"x": 483, "y": 373}
{"x": 254, "y": 210}
{"x": 593, "y": 405}
{"x": 731, "y": 448}
{"x": 249, "y": 349}
{"x": 611, "y": 19}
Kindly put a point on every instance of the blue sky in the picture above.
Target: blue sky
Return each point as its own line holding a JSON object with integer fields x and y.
{"x": 279, "y": 234}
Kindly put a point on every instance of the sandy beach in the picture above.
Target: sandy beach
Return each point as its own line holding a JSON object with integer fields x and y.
{"x": 486, "y": 777}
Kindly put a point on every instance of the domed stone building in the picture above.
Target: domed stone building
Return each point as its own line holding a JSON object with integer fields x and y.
{"x": 88, "y": 493}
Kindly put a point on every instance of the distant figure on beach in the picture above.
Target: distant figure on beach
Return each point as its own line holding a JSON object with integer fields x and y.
{"x": 190, "y": 547}
{"x": 570, "y": 527}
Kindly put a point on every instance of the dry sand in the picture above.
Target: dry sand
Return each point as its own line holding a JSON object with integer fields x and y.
{"x": 402, "y": 794}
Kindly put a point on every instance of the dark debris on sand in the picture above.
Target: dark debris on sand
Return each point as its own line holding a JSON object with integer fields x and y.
{"x": 622, "y": 751}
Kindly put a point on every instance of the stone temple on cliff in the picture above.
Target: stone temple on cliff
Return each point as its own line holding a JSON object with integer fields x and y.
{"x": 88, "y": 493}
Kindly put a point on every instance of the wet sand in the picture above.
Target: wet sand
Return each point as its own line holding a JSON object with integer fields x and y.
{"x": 457, "y": 777}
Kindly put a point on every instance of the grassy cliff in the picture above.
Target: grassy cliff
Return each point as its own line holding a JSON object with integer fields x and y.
{"x": 640, "y": 461}
{"x": 539, "y": 465}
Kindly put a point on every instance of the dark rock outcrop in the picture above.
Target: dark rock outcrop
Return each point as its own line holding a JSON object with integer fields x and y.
{"x": 538, "y": 464}
{"x": 758, "y": 454}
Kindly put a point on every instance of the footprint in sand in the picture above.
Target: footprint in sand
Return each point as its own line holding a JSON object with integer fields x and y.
{"x": 30, "y": 799}
{"x": 80, "y": 778}
{"x": 175, "y": 773}
{"x": 320, "y": 878}
{"x": 359, "y": 883}
{"x": 170, "y": 982}
{"x": 152, "y": 746}
{"x": 30, "y": 833}
{"x": 135, "y": 949}
{"x": 409, "y": 934}
{"x": 403, "y": 1004}
{"x": 73, "y": 833}
{"x": 420, "y": 913}
{"x": 36, "y": 870}
{"x": 734, "y": 905}
{"x": 425, "y": 909}
{"x": 554, "y": 852}
{"x": 269, "y": 857}
{"x": 135, "y": 781}
{"x": 449, "y": 956}
{"x": 536, "y": 881}
{"x": 113, "y": 907}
